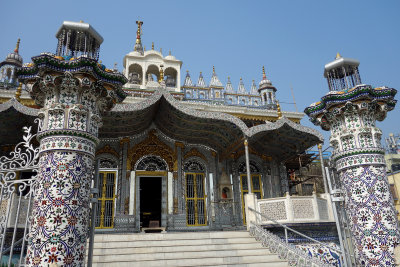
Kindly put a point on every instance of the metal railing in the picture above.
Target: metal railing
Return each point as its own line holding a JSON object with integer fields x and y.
{"x": 294, "y": 255}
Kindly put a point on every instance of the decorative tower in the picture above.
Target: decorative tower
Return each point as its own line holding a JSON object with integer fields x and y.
{"x": 8, "y": 69}
{"x": 267, "y": 92}
{"x": 349, "y": 111}
{"x": 72, "y": 89}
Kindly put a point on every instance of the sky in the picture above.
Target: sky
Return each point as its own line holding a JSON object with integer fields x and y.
{"x": 292, "y": 39}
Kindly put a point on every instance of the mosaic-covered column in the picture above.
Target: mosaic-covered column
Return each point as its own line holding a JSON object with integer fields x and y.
{"x": 72, "y": 93}
{"x": 350, "y": 111}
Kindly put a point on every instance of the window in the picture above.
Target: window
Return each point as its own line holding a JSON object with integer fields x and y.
{"x": 105, "y": 204}
{"x": 195, "y": 194}
{"x": 256, "y": 186}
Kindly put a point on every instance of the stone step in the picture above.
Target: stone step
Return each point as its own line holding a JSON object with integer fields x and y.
{"x": 135, "y": 257}
{"x": 176, "y": 242}
{"x": 169, "y": 236}
{"x": 259, "y": 260}
{"x": 166, "y": 249}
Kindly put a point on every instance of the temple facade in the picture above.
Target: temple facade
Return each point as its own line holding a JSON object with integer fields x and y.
{"x": 171, "y": 154}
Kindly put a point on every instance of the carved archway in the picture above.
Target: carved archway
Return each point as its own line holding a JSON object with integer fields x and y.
{"x": 194, "y": 153}
{"x": 151, "y": 146}
{"x": 107, "y": 149}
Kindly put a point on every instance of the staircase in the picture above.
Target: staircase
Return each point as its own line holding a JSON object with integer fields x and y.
{"x": 182, "y": 249}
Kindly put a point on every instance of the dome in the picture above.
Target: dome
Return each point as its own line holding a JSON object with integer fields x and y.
{"x": 265, "y": 83}
{"x": 170, "y": 57}
{"x": 14, "y": 57}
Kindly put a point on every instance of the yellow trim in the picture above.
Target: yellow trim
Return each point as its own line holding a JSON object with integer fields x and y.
{"x": 196, "y": 198}
{"x": 151, "y": 173}
{"x": 103, "y": 199}
{"x": 244, "y": 176}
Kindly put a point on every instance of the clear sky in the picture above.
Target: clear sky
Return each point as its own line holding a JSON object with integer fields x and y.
{"x": 292, "y": 39}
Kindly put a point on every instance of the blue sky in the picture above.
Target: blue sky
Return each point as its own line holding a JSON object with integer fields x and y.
{"x": 292, "y": 39}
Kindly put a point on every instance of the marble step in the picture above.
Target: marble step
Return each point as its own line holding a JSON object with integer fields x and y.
{"x": 176, "y": 242}
{"x": 169, "y": 236}
{"x": 106, "y": 250}
{"x": 255, "y": 260}
{"x": 134, "y": 257}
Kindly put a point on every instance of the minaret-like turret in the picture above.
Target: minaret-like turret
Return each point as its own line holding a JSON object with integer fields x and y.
{"x": 267, "y": 92}
{"x": 8, "y": 68}
{"x": 349, "y": 112}
{"x": 72, "y": 94}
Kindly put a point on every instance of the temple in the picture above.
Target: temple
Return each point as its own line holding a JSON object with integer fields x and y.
{"x": 168, "y": 156}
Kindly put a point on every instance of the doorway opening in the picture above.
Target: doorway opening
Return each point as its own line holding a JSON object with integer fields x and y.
{"x": 150, "y": 202}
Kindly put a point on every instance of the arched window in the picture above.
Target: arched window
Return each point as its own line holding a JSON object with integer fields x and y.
{"x": 151, "y": 163}
{"x": 201, "y": 95}
{"x": 217, "y": 94}
{"x": 195, "y": 193}
{"x": 230, "y": 101}
{"x": 256, "y": 187}
{"x": 188, "y": 95}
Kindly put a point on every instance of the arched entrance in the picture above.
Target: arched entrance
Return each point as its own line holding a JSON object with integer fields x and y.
{"x": 151, "y": 192}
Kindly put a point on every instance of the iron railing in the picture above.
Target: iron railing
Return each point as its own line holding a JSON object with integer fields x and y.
{"x": 294, "y": 255}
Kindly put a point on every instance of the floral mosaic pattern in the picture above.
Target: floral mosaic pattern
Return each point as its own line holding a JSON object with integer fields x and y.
{"x": 70, "y": 143}
{"x": 60, "y": 214}
{"x": 324, "y": 253}
{"x": 371, "y": 213}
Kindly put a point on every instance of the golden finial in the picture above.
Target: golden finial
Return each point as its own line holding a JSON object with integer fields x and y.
{"x": 160, "y": 50}
{"x": 18, "y": 92}
{"x": 139, "y": 31}
{"x": 16, "y": 50}
{"x": 161, "y": 74}
{"x": 246, "y": 143}
{"x": 152, "y": 45}
{"x": 169, "y": 53}
{"x": 278, "y": 107}
{"x": 338, "y": 55}
{"x": 81, "y": 21}
{"x": 144, "y": 48}
{"x": 264, "y": 76}
{"x": 319, "y": 146}
{"x": 213, "y": 70}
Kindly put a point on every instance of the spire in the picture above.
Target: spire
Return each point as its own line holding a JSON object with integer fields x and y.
{"x": 200, "y": 81}
{"x": 138, "y": 45}
{"x": 188, "y": 81}
{"x": 253, "y": 90}
{"x": 229, "y": 87}
{"x": 215, "y": 80}
{"x": 152, "y": 45}
{"x": 241, "y": 88}
{"x": 338, "y": 55}
{"x": 16, "y": 50}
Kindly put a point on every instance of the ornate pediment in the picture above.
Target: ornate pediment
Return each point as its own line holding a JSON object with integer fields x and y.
{"x": 194, "y": 153}
{"x": 152, "y": 145}
{"x": 107, "y": 149}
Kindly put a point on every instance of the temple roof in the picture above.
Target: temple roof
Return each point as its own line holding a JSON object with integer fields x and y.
{"x": 219, "y": 131}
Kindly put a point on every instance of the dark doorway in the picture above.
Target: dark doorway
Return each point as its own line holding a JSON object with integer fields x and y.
{"x": 150, "y": 200}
